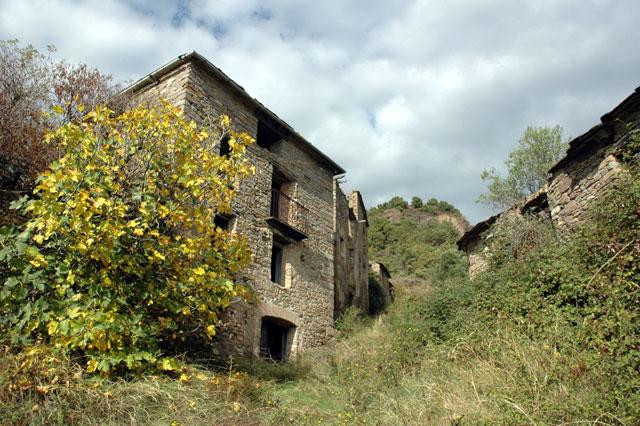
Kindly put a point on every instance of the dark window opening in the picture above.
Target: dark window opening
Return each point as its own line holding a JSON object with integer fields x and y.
{"x": 225, "y": 148}
{"x": 276, "y": 264}
{"x": 222, "y": 222}
{"x": 267, "y": 135}
{"x": 280, "y": 200}
{"x": 274, "y": 339}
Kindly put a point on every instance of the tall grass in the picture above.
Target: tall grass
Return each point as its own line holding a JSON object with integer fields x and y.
{"x": 549, "y": 335}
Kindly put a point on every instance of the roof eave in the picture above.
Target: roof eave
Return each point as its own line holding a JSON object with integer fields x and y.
{"x": 187, "y": 57}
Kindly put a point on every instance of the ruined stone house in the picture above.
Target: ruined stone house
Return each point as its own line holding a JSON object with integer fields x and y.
{"x": 588, "y": 169}
{"x": 382, "y": 275}
{"x": 308, "y": 240}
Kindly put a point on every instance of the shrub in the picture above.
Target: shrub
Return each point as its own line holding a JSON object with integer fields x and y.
{"x": 580, "y": 291}
{"x": 350, "y": 322}
{"x": 119, "y": 257}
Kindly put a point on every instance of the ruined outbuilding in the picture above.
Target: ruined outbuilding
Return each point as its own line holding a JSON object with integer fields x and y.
{"x": 308, "y": 239}
{"x": 382, "y": 275}
{"x": 592, "y": 163}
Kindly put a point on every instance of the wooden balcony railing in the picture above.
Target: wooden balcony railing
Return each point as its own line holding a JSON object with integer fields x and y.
{"x": 289, "y": 213}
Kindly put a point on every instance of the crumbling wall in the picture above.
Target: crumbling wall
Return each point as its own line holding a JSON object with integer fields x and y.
{"x": 587, "y": 171}
{"x": 383, "y": 277}
{"x": 591, "y": 165}
{"x": 351, "y": 255}
{"x": 477, "y": 241}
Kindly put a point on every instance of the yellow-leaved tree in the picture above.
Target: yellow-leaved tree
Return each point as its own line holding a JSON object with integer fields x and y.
{"x": 120, "y": 257}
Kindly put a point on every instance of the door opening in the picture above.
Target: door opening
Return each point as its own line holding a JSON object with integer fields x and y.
{"x": 275, "y": 339}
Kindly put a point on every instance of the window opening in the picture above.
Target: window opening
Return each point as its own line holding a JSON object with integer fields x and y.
{"x": 225, "y": 148}
{"x": 222, "y": 222}
{"x": 267, "y": 135}
{"x": 276, "y": 264}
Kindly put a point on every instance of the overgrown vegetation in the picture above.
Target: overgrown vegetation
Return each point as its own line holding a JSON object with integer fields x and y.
{"x": 527, "y": 166}
{"x": 548, "y": 335}
{"x": 119, "y": 261}
{"x": 108, "y": 274}
{"x": 413, "y": 250}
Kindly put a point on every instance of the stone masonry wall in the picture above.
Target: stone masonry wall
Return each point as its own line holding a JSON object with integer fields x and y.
{"x": 305, "y": 299}
{"x": 382, "y": 275}
{"x": 351, "y": 251}
{"x": 587, "y": 171}
{"x": 572, "y": 189}
{"x": 479, "y": 249}
{"x": 359, "y": 226}
{"x": 590, "y": 166}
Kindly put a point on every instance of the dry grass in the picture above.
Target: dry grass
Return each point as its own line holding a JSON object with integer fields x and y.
{"x": 373, "y": 376}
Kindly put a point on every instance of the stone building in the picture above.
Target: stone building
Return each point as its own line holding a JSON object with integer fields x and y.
{"x": 308, "y": 240}
{"x": 589, "y": 167}
{"x": 382, "y": 275}
{"x": 351, "y": 255}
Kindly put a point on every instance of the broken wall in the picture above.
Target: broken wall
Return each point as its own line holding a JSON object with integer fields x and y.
{"x": 351, "y": 251}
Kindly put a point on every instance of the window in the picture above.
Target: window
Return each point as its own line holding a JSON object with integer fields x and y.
{"x": 225, "y": 148}
{"x": 281, "y": 189}
{"x": 276, "y": 264}
{"x": 222, "y": 222}
{"x": 267, "y": 135}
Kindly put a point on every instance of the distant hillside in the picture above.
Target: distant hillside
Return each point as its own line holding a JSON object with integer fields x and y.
{"x": 416, "y": 241}
{"x": 395, "y": 215}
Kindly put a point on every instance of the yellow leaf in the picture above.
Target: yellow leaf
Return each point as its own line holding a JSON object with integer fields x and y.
{"x": 168, "y": 364}
{"x": 52, "y": 327}
{"x": 158, "y": 255}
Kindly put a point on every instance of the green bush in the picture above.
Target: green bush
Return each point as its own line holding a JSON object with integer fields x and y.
{"x": 579, "y": 292}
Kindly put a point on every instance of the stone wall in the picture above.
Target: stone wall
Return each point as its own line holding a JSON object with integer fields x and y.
{"x": 351, "y": 251}
{"x": 584, "y": 174}
{"x": 383, "y": 277}
{"x": 477, "y": 241}
{"x": 304, "y": 299}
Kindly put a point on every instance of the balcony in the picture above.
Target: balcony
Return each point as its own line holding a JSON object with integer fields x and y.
{"x": 288, "y": 216}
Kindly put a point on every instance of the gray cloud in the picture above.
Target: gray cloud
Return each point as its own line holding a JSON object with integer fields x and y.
{"x": 411, "y": 97}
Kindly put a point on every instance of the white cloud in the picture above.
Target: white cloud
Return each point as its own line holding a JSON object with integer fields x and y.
{"x": 411, "y": 97}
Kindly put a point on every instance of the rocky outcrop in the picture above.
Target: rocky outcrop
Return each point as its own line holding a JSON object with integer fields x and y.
{"x": 419, "y": 216}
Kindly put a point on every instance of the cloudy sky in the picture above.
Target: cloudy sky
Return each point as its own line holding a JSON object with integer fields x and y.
{"x": 410, "y": 97}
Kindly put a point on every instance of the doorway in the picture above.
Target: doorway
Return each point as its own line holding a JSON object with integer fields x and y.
{"x": 275, "y": 338}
